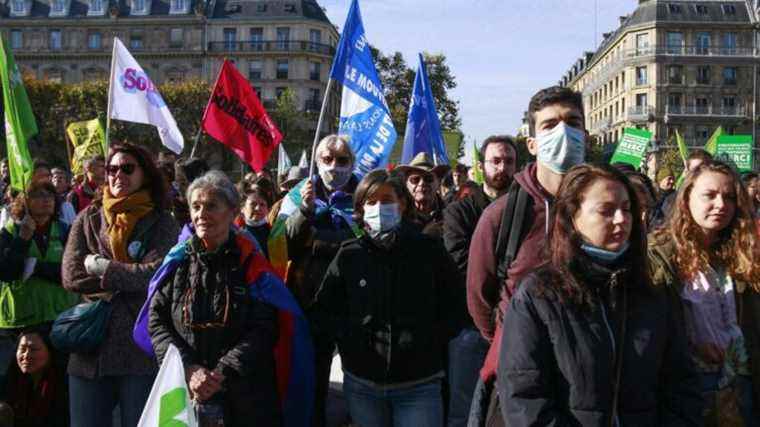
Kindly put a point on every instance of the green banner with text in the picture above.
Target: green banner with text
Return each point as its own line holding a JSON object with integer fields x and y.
{"x": 632, "y": 147}
{"x": 736, "y": 150}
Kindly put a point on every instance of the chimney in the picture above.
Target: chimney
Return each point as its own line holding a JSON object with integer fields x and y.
{"x": 622, "y": 19}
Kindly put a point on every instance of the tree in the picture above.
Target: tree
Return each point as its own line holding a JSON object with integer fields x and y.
{"x": 398, "y": 81}
{"x": 292, "y": 123}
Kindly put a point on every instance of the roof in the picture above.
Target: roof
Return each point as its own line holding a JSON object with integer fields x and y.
{"x": 269, "y": 10}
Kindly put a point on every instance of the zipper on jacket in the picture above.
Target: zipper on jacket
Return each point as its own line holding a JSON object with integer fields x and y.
{"x": 615, "y": 421}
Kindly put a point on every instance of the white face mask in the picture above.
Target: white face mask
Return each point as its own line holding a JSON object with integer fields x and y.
{"x": 255, "y": 222}
{"x": 381, "y": 217}
{"x": 561, "y": 148}
{"x": 334, "y": 177}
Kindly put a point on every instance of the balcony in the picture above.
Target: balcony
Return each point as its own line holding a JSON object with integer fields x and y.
{"x": 271, "y": 46}
{"x": 704, "y": 111}
{"x": 639, "y": 113}
{"x": 700, "y": 51}
{"x": 601, "y": 125}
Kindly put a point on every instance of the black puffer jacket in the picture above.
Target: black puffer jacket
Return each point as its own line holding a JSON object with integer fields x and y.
{"x": 388, "y": 309}
{"x": 197, "y": 294}
{"x": 558, "y": 361}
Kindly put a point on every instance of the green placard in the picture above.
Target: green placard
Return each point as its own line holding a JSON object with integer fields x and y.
{"x": 632, "y": 147}
{"x": 736, "y": 150}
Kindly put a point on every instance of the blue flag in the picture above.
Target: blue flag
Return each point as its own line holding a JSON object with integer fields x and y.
{"x": 423, "y": 129}
{"x": 364, "y": 114}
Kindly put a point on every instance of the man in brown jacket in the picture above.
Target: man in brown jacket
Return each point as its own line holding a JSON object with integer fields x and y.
{"x": 557, "y": 139}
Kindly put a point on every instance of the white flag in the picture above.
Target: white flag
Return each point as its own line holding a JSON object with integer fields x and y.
{"x": 283, "y": 161}
{"x": 304, "y": 162}
{"x": 169, "y": 400}
{"x": 133, "y": 97}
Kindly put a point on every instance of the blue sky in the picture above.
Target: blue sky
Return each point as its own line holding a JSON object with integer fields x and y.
{"x": 500, "y": 51}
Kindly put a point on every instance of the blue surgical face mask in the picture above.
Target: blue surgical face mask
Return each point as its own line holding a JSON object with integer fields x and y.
{"x": 561, "y": 148}
{"x": 603, "y": 255}
{"x": 381, "y": 217}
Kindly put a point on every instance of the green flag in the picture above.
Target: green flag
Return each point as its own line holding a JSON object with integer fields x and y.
{"x": 19, "y": 119}
{"x": 632, "y": 147}
{"x": 682, "y": 149}
{"x": 477, "y": 164}
{"x": 711, "y": 146}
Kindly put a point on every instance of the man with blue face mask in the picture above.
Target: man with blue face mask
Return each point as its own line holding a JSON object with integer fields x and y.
{"x": 498, "y": 259}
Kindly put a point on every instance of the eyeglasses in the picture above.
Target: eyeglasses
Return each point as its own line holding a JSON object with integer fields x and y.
{"x": 126, "y": 168}
{"x": 415, "y": 179}
{"x": 189, "y": 297}
{"x": 339, "y": 160}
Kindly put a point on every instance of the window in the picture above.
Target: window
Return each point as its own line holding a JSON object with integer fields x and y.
{"x": 283, "y": 38}
{"x": 703, "y": 74}
{"x": 175, "y": 75}
{"x": 138, "y": 6}
{"x": 729, "y": 43}
{"x": 315, "y": 70}
{"x": 261, "y": 8}
{"x": 729, "y": 105}
{"x": 55, "y": 39}
{"x": 176, "y": 37}
{"x": 674, "y": 103}
{"x": 729, "y": 75}
{"x": 57, "y": 6}
{"x": 282, "y": 69}
{"x": 54, "y": 75}
{"x": 702, "y": 133}
{"x": 278, "y": 91}
{"x": 230, "y": 38}
{"x": 641, "y": 100}
{"x": 17, "y": 39}
{"x": 94, "y": 40}
{"x": 91, "y": 74}
{"x": 701, "y": 9}
{"x": 675, "y": 74}
{"x": 703, "y": 43}
{"x": 702, "y": 105}
{"x": 257, "y": 38}
{"x": 312, "y": 102}
{"x": 18, "y": 6}
{"x": 178, "y": 6}
{"x": 254, "y": 70}
{"x": 315, "y": 39}
{"x": 729, "y": 9}
{"x": 289, "y": 8}
{"x": 674, "y": 42}
{"x": 641, "y": 76}
{"x": 96, "y": 7}
{"x": 674, "y": 8}
{"x": 136, "y": 42}
{"x": 257, "y": 89}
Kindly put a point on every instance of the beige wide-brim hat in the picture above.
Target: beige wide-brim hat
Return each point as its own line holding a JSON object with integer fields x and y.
{"x": 422, "y": 163}
{"x": 295, "y": 175}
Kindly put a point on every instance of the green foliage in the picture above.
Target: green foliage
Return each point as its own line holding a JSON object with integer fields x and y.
{"x": 295, "y": 125}
{"x": 398, "y": 79}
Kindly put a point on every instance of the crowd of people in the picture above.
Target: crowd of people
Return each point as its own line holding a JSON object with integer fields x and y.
{"x": 564, "y": 293}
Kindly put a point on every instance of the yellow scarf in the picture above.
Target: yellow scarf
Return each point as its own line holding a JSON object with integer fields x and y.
{"x": 122, "y": 213}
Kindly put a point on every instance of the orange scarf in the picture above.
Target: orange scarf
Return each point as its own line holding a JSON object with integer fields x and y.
{"x": 122, "y": 213}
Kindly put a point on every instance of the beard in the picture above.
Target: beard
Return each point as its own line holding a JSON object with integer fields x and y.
{"x": 498, "y": 182}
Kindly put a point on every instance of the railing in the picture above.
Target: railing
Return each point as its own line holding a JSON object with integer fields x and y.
{"x": 689, "y": 51}
{"x": 270, "y": 46}
{"x": 693, "y": 110}
{"x": 601, "y": 124}
{"x": 639, "y": 112}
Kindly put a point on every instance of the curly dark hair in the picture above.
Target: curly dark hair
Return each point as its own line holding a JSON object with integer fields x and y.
{"x": 18, "y": 207}
{"x": 369, "y": 185}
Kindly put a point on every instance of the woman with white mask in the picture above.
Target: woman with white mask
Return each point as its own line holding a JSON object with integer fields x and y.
{"x": 386, "y": 302}
{"x": 315, "y": 231}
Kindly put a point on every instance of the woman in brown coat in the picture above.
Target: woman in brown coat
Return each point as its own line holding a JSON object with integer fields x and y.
{"x": 114, "y": 247}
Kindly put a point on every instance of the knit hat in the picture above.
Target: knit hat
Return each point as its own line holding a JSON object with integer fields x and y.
{"x": 665, "y": 172}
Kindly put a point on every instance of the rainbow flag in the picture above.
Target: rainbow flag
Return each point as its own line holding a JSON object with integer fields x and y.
{"x": 294, "y": 353}
{"x": 278, "y": 243}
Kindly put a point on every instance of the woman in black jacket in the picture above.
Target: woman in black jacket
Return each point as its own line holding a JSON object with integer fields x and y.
{"x": 225, "y": 337}
{"x": 385, "y": 301}
{"x": 587, "y": 341}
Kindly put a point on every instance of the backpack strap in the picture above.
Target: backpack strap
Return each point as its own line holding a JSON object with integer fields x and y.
{"x": 511, "y": 229}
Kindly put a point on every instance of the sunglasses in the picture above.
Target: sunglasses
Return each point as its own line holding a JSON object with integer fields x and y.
{"x": 415, "y": 179}
{"x": 126, "y": 168}
{"x": 339, "y": 160}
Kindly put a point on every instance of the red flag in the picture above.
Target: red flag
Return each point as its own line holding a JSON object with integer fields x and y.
{"x": 235, "y": 117}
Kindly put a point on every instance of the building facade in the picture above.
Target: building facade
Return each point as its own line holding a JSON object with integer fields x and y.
{"x": 685, "y": 65}
{"x": 276, "y": 44}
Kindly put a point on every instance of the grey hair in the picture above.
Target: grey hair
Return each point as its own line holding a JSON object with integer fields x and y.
{"x": 218, "y": 183}
{"x": 336, "y": 143}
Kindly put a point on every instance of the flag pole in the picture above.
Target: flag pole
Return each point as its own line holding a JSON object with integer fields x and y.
{"x": 110, "y": 95}
{"x": 68, "y": 146}
{"x": 197, "y": 140}
{"x": 319, "y": 126}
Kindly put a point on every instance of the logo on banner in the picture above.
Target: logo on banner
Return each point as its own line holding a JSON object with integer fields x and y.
{"x": 134, "y": 81}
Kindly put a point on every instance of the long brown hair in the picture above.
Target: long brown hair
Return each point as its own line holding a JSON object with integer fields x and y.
{"x": 737, "y": 245}
{"x": 565, "y": 241}
{"x": 154, "y": 180}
